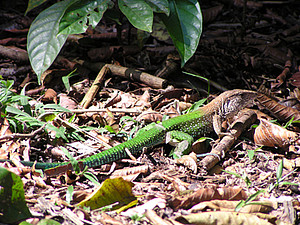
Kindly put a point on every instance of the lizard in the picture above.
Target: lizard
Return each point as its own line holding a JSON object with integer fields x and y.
{"x": 184, "y": 128}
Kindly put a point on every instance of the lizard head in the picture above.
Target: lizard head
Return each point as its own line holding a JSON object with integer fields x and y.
{"x": 231, "y": 102}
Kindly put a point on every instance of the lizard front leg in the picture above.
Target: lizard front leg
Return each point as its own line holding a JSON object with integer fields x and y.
{"x": 183, "y": 143}
{"x": 217, "y": 125}
{"x": 181, "y": 140}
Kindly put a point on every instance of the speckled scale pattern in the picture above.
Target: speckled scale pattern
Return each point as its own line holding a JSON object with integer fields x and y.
{"x": 155, "y": 136}
{"x": 195, "y": 124}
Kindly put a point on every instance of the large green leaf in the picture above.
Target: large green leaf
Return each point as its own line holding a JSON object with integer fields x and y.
{"x": 138, "y": 12}
{"x": 43, "y": 41}
{"x": 80, "y": 15}
{"x": 159, "y": 6}
{"x": 12, "y": 200}
{"x": 184, "y": 26}
{"x": 33, "y": 3}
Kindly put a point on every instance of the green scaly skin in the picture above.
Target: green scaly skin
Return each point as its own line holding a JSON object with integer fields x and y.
{"x": 196, "y": 124}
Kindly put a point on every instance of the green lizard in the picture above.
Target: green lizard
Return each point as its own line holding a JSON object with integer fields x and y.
{"x": 184, "y": 128}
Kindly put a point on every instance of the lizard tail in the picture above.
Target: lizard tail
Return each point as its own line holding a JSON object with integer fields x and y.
{"x": 43, "y": 166}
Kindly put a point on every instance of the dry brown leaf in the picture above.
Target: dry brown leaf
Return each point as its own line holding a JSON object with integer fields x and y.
{"x": 207, "y": 194}
{"x": 225, "y": 205}
{"x": 295, "y": 79}
{"x": 232, "y": 218}
{"x": 114, "y": 99}
{"x": 155, "y": 219}
{"x": 210, "y": 14}
{"x": 178, "y": 184}
{"x": 6, "y": 146}
{"x": 144, "y": 100}
{"x": 190, "y": 161}
{"x": 106, "y": 219}
{"x": 9, "y": 147}
{"x": 67, "y": 102}
{"x": 149, "y": 117}
{"x": 281, "y": 112}
{"x": 184, "y": 106}
{"x": 50, "y": 96}
{"x": 281, "y": 78}
{"x": 149, "y": 205}
{"x": 272, "y": 135}
{"x": 79, "y": 196}
{"x": 130, "y": 173}
{"x": 289, "y": 164}
{"x": 127, "y": 101}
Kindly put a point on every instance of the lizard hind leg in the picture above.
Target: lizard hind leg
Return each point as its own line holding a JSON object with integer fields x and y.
{"x": 181, "y": 140}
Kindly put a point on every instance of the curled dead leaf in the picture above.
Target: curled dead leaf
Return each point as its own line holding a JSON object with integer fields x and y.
{"x": 130, "y": 173}
{"x": 50, "y": 96}
{"x": 272, "y": 135}
{"x": 190, "y": 161}
{"x": 206, "y": 194}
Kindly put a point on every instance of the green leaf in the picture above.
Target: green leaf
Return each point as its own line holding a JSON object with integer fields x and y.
{"x": 66, "y": 81}
{"x": 48, "y": 222}
{"x": 24, "y": 100}
{"x": 43, "y": 41}
{"x": 110, "y": 129}
{"x": 184, "y": 26}
{"x": 33, "y": 4}
{"x": 12, "y": 199}
{"x": 82, "y": 14}
{"x": 251, "y": 154}
{"x": 159, "y": 6}
{"x": 248, "y": 201}
{"x": 233, "y": 173}
{"x": 55, "y": 107}
{"x": 69, "y": 194}
{"x": 197, "y": 105}
{"x": 254, "y": 196}
{"x": 138, "y": 12}
{"x": 92, "y": 177}
{"x": 279, "y": 171}
{"x": 6, "y": 94}
{"x": 25, "y": 223}
{"x": 288, "y": 183}
{"x": 14, "y": 110}
{"x": 59, "y": 132}
{"x": 73, "y": 161}
{"x": 240, "y": 205}
{"x": 289, "y": 122}
{"x": 46, "y": 117}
